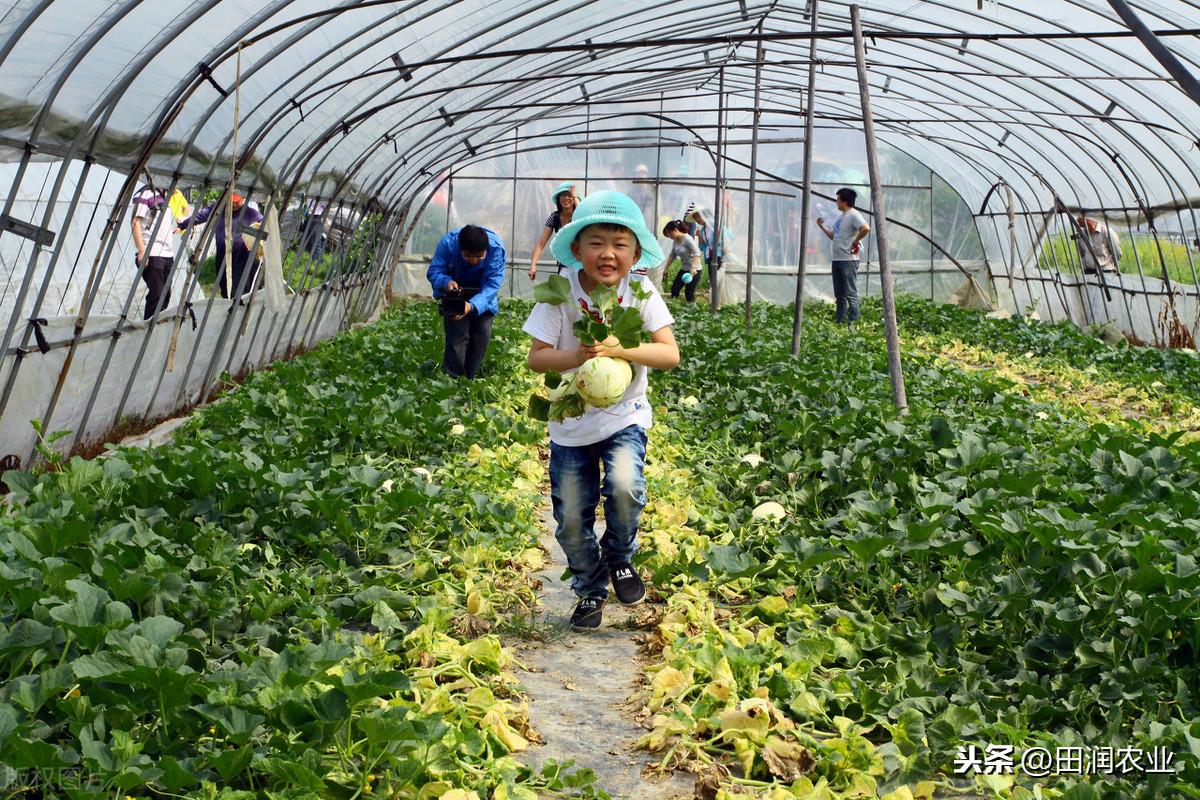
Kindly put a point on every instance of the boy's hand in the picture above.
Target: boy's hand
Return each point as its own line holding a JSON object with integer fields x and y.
{"x": 610, "y": 347}
{"x": 603, "y": 350}
{"x": 464, "y": 314}
{"x": 582, "y": 354}
{"x": 452, "y": 286}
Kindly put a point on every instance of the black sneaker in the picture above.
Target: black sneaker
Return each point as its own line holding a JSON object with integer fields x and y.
{"x": 587, "y": 613}
{"x": 627, "y": 585}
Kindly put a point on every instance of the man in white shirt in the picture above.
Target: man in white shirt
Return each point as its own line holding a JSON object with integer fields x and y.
{"x": 846, "y": 233}
{"x": 1104, "y": 252}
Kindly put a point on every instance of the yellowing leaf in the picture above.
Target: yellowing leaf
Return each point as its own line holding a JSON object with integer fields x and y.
{"x": 997, "y": 783}
{"x": 503, "y": 792}
{"x": 481, "y": 697}
{"x": 734, "y": 720}
{"x": 433, "y": 791}
{"x": 531, "y": 558}
{"x": 903, "y": 793}
{"x": 861, "y": 785}
{"x": 670, "y": 516}
{"x": 460, "y": 794}
{"x": 477, "y": 604}
{"x": 787, "y": 760}
{"x": 771, "y": 608}
{"x": 495, "y": 722}
{"x": 668, "y": 684}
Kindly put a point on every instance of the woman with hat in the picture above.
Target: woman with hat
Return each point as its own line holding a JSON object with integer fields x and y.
{"x": 565, "y": 199}
{"x": 233, "y": 282}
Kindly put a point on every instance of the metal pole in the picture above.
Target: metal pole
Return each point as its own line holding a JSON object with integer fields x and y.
{"x": 753, "y": 182}
{"x": 658, "y": 169}
{"x": 449, "y": 199}
{"x": 587, "y": 138}
{"x": 931, "y": 267}
{"x": 512, "y": 273}
{"x": 714, "y": 264}
{"x": 806, "y": 192}
{"x": 1186, "y": 80}
{"x": 1012, "y": 235}
{"x": 885, "y": 266}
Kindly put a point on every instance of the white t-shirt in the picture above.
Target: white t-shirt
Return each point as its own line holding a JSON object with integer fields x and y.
{"x": 162, "y": 245}
{"x": 552, "y": 324}
{"x": 844, "y": 230}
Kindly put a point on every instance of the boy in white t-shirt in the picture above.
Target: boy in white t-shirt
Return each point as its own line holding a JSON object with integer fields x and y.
{"x": 605, "y": 241}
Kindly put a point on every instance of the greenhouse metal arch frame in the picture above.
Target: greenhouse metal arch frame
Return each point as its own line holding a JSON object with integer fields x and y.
{"x": 334, "y": 137}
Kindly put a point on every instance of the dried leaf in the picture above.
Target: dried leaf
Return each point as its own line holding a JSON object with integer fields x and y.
{"x": 787, "y": 760}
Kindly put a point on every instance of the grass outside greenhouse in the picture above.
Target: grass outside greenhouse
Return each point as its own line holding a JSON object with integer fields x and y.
{"x": 317, "y": 588}
{"x": 1059, "y": 252}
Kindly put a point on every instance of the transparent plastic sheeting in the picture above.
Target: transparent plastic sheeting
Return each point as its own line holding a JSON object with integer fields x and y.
{"x": 66, "y": 281}
{"x": 772, "y": 285}
{"x": 150, "y": 392}
{"x": 105, "y": 78}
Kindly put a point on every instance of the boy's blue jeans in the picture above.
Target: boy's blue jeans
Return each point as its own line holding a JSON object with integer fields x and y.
{"x": 575, "y": 490}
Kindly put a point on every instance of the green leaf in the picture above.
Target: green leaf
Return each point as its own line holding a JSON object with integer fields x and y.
{"x": 941, "y": 432}
{"x": 866, "y": 547}
{"x": 554, "y": 291}
{"x": 627, "y": 326}
{"x": 8, "y": 720}
{"x": 604, "y": 300}
{"x": 332, "y": 706}
{"x": 538, "y": 408}
{"x": 384, "y": 618}
{"x": 729, "y": 560}
{"x": 160, "y": 630}
{"x": 232, "y": 763}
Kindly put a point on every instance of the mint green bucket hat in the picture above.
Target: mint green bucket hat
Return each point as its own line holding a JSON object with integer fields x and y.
{"x": 607, "y": 206}
{"x": 563, "y": 188}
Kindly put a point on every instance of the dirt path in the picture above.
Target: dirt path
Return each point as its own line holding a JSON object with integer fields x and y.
{"x": 580, "y": 687}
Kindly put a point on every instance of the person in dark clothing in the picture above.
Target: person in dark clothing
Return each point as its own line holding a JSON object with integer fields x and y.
{"x": 466, "y": 273}
{"x": 244, "y": 217}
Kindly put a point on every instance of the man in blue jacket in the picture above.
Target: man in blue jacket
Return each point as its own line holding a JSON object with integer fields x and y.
{"x": 469, "y": 265}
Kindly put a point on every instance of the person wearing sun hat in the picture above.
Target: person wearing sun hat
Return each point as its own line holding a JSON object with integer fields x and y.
{"x": 565, "y": 199}
{"x": 606, "y": 244}
{"x": 641, "y": 192}
{"x": 245, "y": 216}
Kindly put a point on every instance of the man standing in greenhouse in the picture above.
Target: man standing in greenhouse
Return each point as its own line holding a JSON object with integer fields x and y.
{"x": 1104, "y": 252}
{"x": 466, "y": 273}
{"x": 846, "y": 233}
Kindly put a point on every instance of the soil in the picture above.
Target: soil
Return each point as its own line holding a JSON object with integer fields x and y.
{"x": 582, "y": 691}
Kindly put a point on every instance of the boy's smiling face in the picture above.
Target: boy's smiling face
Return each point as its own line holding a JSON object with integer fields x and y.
{"x": 607, "y": 253}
